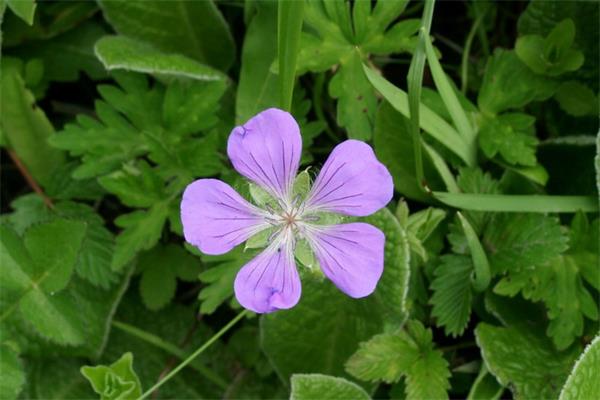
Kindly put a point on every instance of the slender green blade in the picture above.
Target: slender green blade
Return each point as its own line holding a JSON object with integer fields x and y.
{"x": 429, "y": 121}
{"x": 456, "y": 111}
{"x": 289, "y": 27}
{"x": 518, "y": 203}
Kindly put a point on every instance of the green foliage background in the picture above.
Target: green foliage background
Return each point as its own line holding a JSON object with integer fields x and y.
{"x": 485, "y": 113}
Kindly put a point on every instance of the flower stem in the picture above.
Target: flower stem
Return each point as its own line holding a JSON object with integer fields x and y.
{"x": 169, "y": 348}
{"x": 195, "y": 354}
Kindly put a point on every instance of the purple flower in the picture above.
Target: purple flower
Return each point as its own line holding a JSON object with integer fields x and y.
{"x": 267, "y": 151}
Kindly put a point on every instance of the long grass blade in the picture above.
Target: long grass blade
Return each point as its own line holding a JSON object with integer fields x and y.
{"x": 290, "y": 15}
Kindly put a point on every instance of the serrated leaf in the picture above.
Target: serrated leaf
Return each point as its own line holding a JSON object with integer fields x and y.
{"x": 142, "y": 230}
{"x": 136, "y": 186}
{"x": 54, "y": 248}
{"x": 13, "y": 376}
{"x": 337, "y": 324}
{"x": 515, "y": 241}
{"x": 576, "y": 98}
{"x": 536, "y": 373}
{"x": 122, "y": 52}
{"x": 95, "y": 254}
{"x": 198, "y": 24}
{"x": 582, "y": 382}
{"x": 508, "y": 83}
{"x": 452, "y": 293}
{"x": 117, "y": 381}
{"x": 219, "y": 278}
{"x": 498, "y": 137}
{"x": 313, "y": 386}
{"x": 407, "y": 353}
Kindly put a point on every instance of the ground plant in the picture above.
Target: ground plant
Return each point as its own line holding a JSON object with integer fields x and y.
{"x": 320, "y": 199}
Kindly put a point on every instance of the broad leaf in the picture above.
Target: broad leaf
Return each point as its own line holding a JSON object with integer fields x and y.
{"x": 13, "y": 376}
{"x": 198, "y": 24}
{"x": 331, "y": 325}
{"x": 121, "y": 52}
{"x": 582, "y": 382}
{"x": 317, "y": 386}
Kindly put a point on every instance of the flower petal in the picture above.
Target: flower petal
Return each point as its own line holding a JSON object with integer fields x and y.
{"x": 352, "y": 182}
{"x": 351, "y": 255}
{"x": 267, "y": 150}
{"x": 216, "y": 218}
{"x": 269, "y": 282}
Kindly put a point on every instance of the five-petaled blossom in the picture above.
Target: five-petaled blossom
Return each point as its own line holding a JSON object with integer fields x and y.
{"x": 267, "y": 151}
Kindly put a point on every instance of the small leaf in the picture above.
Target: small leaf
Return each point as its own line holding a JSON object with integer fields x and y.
{"x": 452, "y": 294}
{"x": 582, "y": 382}
{"x": 576, "y": 99}
{"x": 117, "y": 381}
{"x": 142, "y": 230}
{"x": 317, "y": 386}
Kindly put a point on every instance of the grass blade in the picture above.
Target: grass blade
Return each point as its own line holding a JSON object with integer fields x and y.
{"x": 518, "y": 203}
{"x": 429, "y": 121}
{"x": 455, "y": 109}
{"x": 289, "y": 27}
{"x": 483, "y": 275}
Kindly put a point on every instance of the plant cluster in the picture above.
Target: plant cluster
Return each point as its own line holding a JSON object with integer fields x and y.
{"x": 484, "y": 113}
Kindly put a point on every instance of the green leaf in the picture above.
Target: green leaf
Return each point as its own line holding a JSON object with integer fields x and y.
{"x": 160, "y": 268}
{"x": 23, "y": 125}
{"x": 289, "y": 26}
{"x": 122, "y": 52}
{"x": 142, "y": 230}
{"x": 75, "y": 316}
{"x": 64, "y": 56}
{"x": 95, "y": 254}
{"x": 117, "y": 381}
{"x": 452, "y": 293}
{"x": 449, "y": 95}
{"x": 517, "y": 241}
{"x": 576, "y": 99}
{"x": 199, "y": 23}
{"x": 136, "y": 186}
{"x": 56, "y": 378}
{"x": 393, "y": 146}
{"x": 258, "y": 85}
{"x": 527, "y": 363}
{"x": 429, "y": 121}
{"x": 337, "y": 324}
{"x": 582, "y": 382}
{"x": 317, "y": 386}
{"x": 356, "y": 102}
{"x": 518, "y": 203}
{"x": 392, "y": 289}
{"x": 482, "y": 275}
{"x": 13, "y": 376}
{"x": 24, "y": 9}
{"x": 171, "y": 326}
{"x": 508, "y": 83}
{"x": 409, "y": 353}
{"x": 219, "y": 278}
{"x": 516, "y": 147}
{"x": 485, "y": 386}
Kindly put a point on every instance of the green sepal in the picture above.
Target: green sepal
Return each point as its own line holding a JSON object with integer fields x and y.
{"x": 117, "y": 381}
